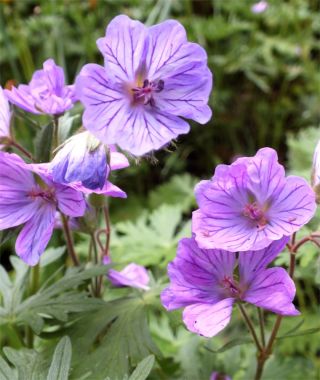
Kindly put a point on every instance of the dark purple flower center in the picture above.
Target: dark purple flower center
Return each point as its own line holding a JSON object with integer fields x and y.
{"x": 144, "y": 94}
{"x": 230, "y": 285}
{"x": 47, "y": 194}
{"x": 256, "y": 213}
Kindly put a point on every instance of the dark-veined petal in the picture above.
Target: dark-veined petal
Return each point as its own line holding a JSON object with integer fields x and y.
{"x": 36, "y": 233}
{"x": 207, "y": 319}
{"x": 274, "y": 290}
{"x": 123, "y": 47}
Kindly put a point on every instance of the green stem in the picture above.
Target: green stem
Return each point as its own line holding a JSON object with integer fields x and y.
{"x": 265, "y": 353}
{"x": 16, "y": 145}
{"x": 69, "y": 240}
{"x": 55, "y": 135}
{"x": 261, "y": 323}
{"x": 96, "y": 287}
{"x": 34, "y": 286}
{"x": 250, "y": 326}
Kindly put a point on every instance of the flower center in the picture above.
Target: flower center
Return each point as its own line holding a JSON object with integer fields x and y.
{"x": 230, "y": 286}
{"x": 47, "y": 195}
{"x": 145, "y": 93}
{"x": 256, "y": 213}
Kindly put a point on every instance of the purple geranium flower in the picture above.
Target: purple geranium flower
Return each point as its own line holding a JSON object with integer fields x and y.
{"x": 250, "y": 203}
{"x": 219, "y": 376}
{"x": 259, "y": 7}
{"x": 46, "y": 92}
{"x": 5, "y": 117}
{"x": 25, "y": 200}
{"x": 151, "y": 76}
{"x": 133, "y": 275}
{"x": 205, "y": 284}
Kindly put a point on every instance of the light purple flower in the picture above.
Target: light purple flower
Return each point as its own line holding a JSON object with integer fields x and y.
{"x": 205, "y": 284}
{"x": 5, "y": 116}
{"x": 133, "y": 275}
{"x": 151, "y": 76}
{"x": 250, "y": 203}
{"x": 259, "y": 7}
{"x": 219, "y": 376}
{"x": 83, "y": 159}
{"x": 46, "y": 92}
{"x": 25, "y": 200}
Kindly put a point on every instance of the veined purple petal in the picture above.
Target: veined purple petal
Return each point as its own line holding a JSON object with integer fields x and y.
{"x": 252, "y": 262}
{"x": 207, "y": 319}
{"x": 106, "y": 107}
{"x": 46, "y": 92}
{"x": 5, "y": 115}
{"x": 133, "y": 275}
{"x": 16, "y": 183}
{"x": 293, "y": 207}
{"x": 272, "y": 289}
{"x": 183, "y": 68}
{"x": 196, "y": 275}
{"x": 36, "y": 233}
{"x": 145, "y": 131}
{"x": 123, "y": 47}
{"x": 70, "y": 201}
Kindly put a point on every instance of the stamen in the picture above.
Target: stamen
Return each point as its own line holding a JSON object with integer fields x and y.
{"x": 256, "y": 213}
{"x": 145, "y": 93}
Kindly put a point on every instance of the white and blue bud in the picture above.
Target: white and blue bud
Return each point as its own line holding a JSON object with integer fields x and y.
{"x": 82, "y": 159}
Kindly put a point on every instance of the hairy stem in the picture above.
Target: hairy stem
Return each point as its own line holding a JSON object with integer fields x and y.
{"x": 69, "y": 240}
{"x": 96, "y": 287}
{"x": 34, "y": 286}
{"x": 250, "y": 326}
{"x": 19, "y": 147}
{"x": 55, "y": 134}
{"x": 261, "y": 323}
{"x": 266, "y": 352}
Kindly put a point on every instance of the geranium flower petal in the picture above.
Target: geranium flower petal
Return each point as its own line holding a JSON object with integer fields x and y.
{"x": 145, "y": 131}
{"x": 5, "y": 115}
{"x": 252, "y": 262}
{"x": 16, "y": 207}
{"x": 106, "y": 107}
{"x": 123, "y": 47}
{"x": 70, "y": 201}
{"x": 36, "y": 233}
{"x": 274, "y": 290}
{"x": 293, "y": 207}
{"x": 183, "y": 68}
{"x": 207, "y": 319}
{"x": 195, "y": 275}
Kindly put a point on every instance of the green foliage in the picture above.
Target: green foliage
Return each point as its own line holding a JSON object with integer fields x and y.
{"x": 60, "y": 365}
{"x": 152, "y": 238}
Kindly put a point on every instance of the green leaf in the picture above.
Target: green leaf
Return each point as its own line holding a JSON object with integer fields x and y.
{"x": 28, "y": 363}
{"x": 151, "y": 239}
{"x": 6, "y": 372}
{"x": 143, "y": 369}
{"x": 6, "y": 235}
{"x": 60, "y": 365}
{"x": 313, "y": 330}
{"x": 50, "y": 255}
{"x": 121, "y": 329}
{"x": 43, "y": 142}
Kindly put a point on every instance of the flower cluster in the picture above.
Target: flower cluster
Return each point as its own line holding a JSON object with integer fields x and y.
{"x": 152, "y": 75}
{"x": 247, "y": 212}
